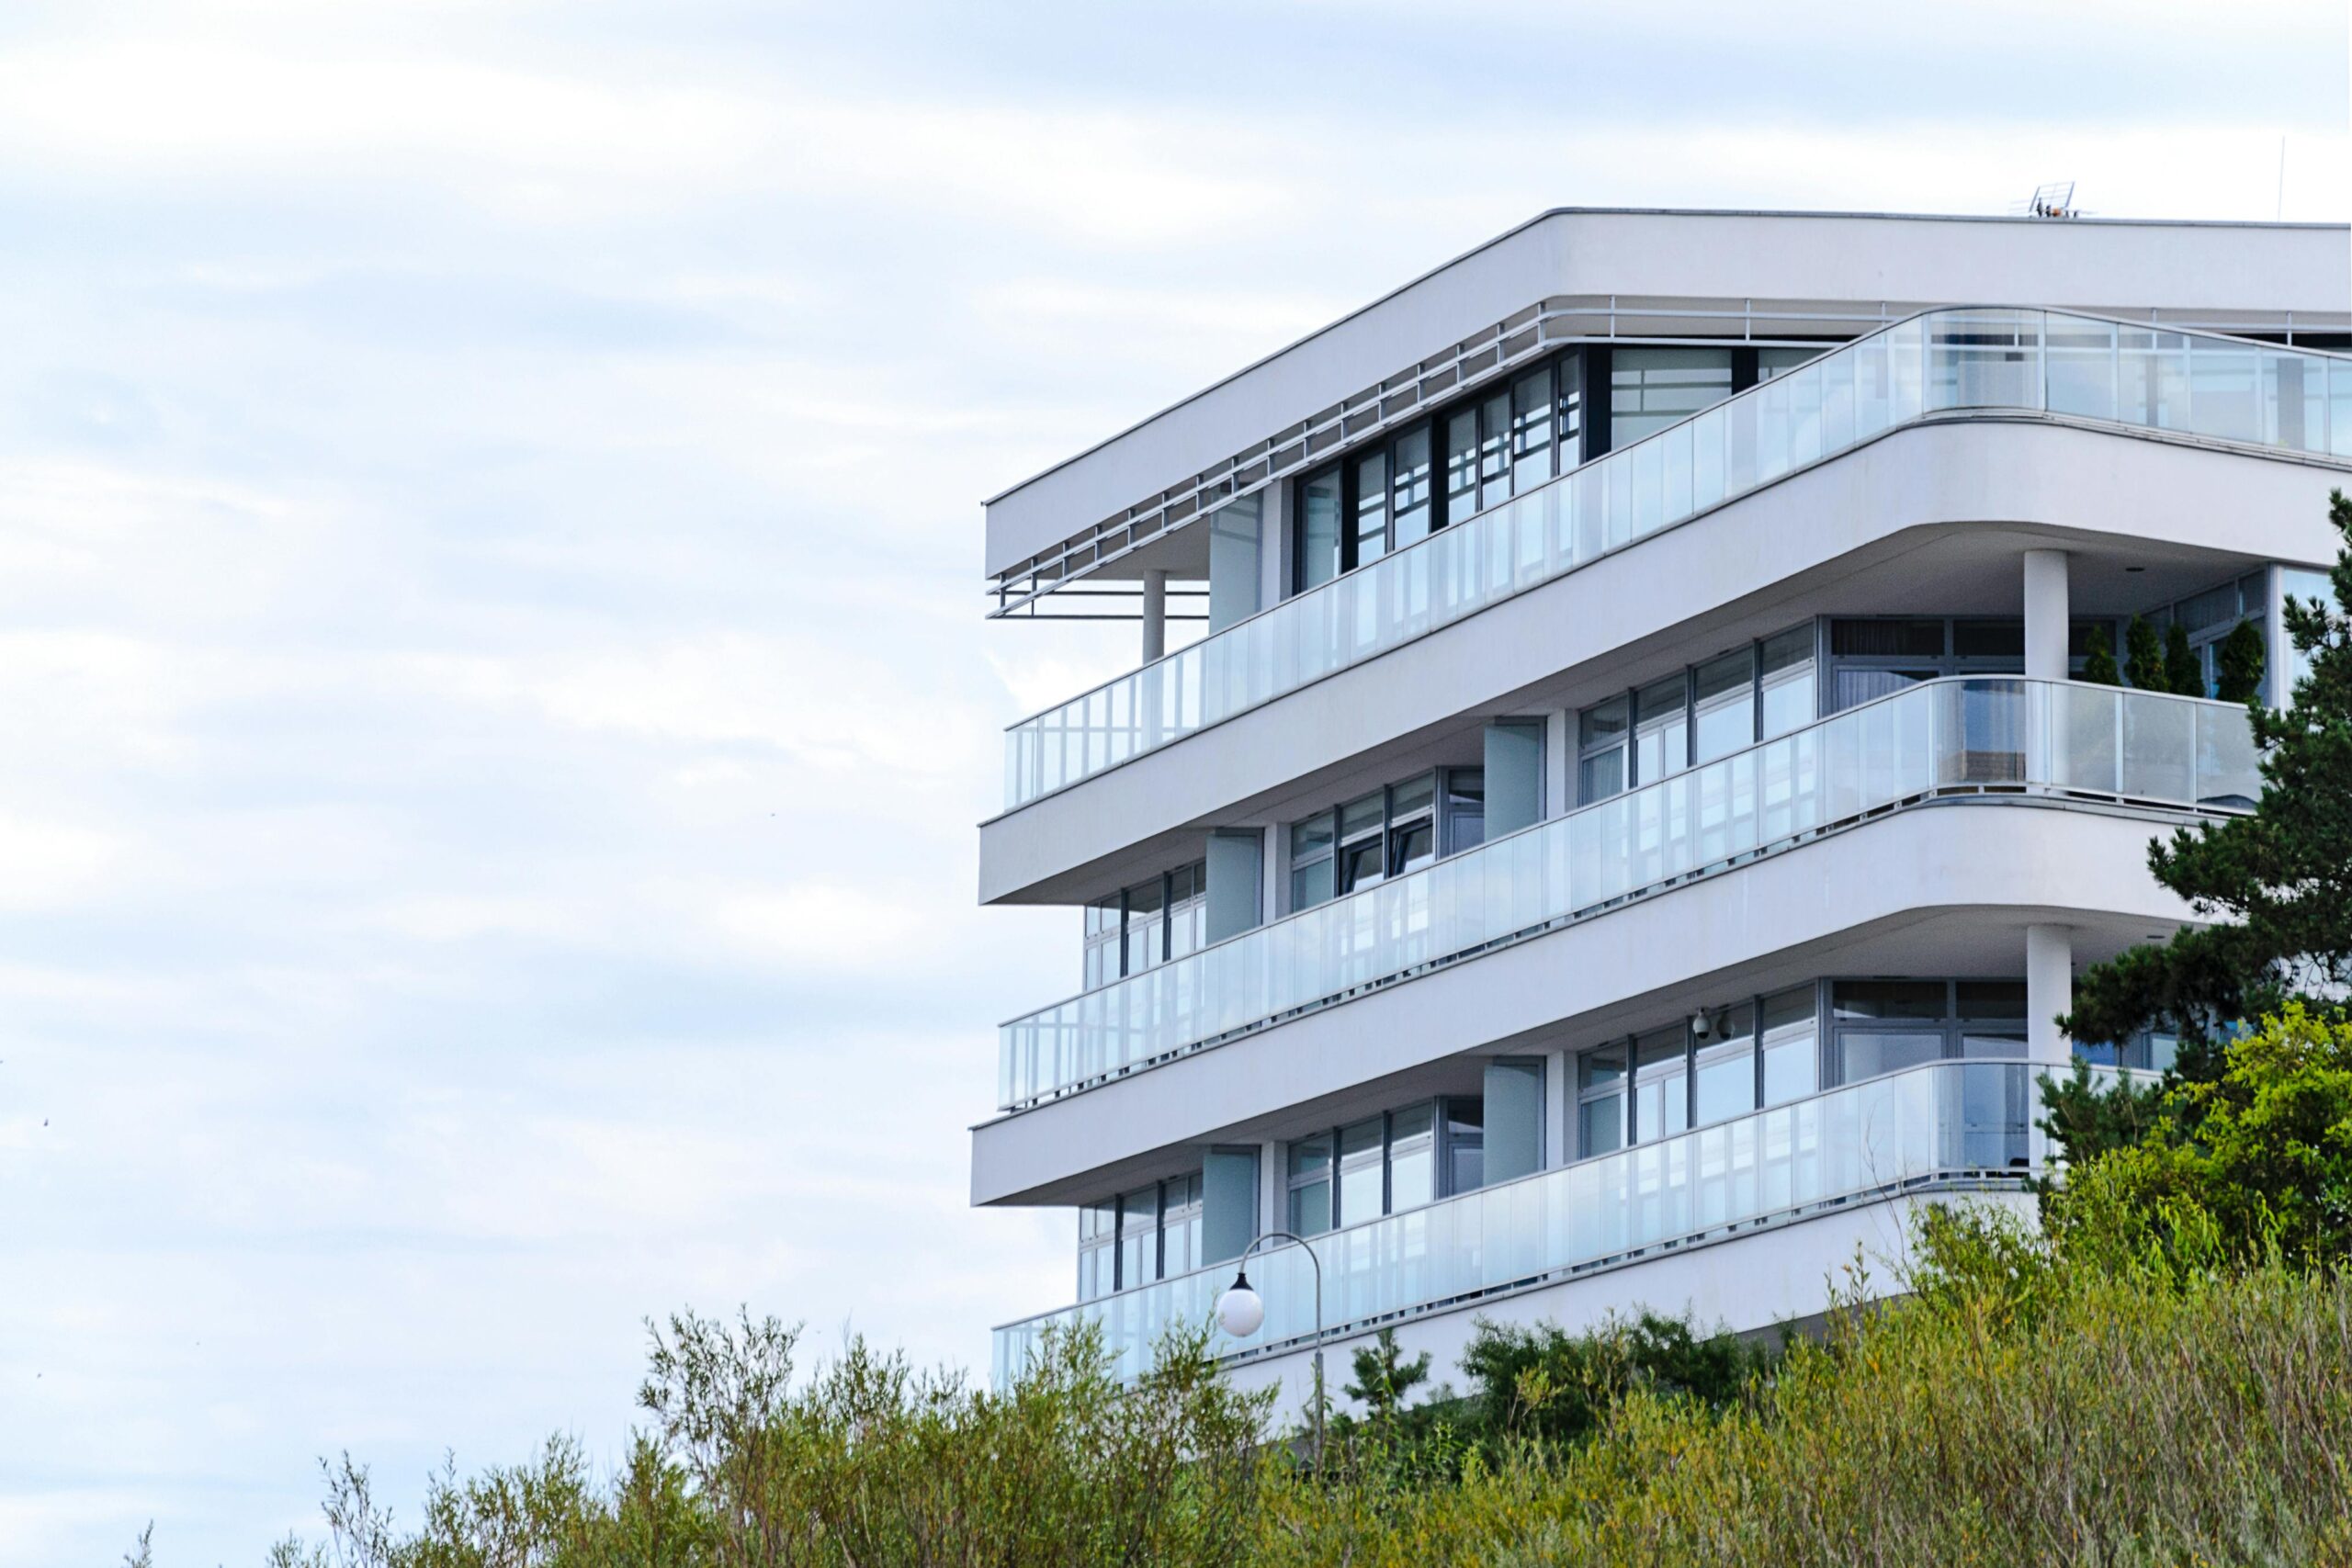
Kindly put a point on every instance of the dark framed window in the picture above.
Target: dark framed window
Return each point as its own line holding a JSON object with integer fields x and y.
{"x": 1150, "y": 1233}
{"x": 1721, "y": 1062}
{"x": 1467, "y": 457}
{"x": 1392, "y": 831}
{"x": 1652, "y": 388}
{"x": 1144, "y": 926}
{"x": 1383, "y": 1165}
{"x": 1870, "y": 656}
{"x": 1885, "y": 1025}
{"x": 1702, "y": 712}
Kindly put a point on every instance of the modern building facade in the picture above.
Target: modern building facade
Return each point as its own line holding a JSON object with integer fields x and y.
{"x": 1634, "y": 815}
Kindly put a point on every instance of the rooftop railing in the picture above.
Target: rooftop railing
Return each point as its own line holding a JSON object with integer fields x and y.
{"x": 1933, "y": 365}
{"x": 1941, "y": 1125}
{"x": 1968, "y": 735}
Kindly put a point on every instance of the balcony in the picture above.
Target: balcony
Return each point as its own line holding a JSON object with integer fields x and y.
{"x": 1944, "y": 1125}
{"x": 1942, "y": 364}
{"x": 2002, "y": 739}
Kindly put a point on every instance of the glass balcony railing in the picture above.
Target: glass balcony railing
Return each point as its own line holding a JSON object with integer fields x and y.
{"x": 1935, "y": 365}
{"x": 1942, "y": 1122}
{"x": 1967, "y": 735}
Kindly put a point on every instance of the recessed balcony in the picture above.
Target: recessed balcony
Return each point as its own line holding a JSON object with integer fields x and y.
{"x": 1945, "y": 1126}
{"x": 1944, "y": 365}
{"x": 1972, "y": 739}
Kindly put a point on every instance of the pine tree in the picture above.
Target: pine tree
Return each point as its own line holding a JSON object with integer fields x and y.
{"x": 2098, "y": 665}
{"x": 2241, "y": 664}
{"x": 2276, "y": 882}
{"x": 2143, "y": 656}
{"x": 1384, "y": 1377}
{"x": 2184, "y": 673}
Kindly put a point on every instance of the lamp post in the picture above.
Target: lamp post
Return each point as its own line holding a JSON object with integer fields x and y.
{"x": 1242, "y": 1310}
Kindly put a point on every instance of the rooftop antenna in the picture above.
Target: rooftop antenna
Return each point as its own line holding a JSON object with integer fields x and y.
{"x": 2280, "y": 215}
{"x": 2056, "y": 199}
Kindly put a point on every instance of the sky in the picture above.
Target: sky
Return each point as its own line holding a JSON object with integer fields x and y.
{"x": 492, "y": 673}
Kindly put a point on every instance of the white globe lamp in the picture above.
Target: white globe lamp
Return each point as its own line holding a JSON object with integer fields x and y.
{"x": 1240, "y": 1310}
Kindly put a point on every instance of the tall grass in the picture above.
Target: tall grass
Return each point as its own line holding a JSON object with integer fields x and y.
{"x": 2029, "y": 1402}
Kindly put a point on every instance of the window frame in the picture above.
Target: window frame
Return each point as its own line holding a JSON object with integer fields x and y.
{"x": 1627, "y": 741}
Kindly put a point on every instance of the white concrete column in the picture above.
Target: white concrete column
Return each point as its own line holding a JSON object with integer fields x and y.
{"x": 2046, "y": 616}
{"x": 1276, "y": 860}
{"x": 1559, "y": 763}
{"x": 1273, "y": 1186}
{"x": 1557, "y": 1104}
{"x": 2049, "y": 992}
{"x": 1155, "y": 616}
{"x": 2278, "y": 650}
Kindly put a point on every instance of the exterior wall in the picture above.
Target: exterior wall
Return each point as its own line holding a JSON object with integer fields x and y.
{"x": 1802, "y": 545}
{"x": 1938, "y": 889}
{"x": 2217, "y": 269}
{"x": 1749, "y": 1283}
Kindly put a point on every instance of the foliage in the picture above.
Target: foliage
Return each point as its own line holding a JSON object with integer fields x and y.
{"x": 2184, "y": 676}
{"x": 2098, "y": 665}
{"x": 865, "y": 1463}
{"x": 1538, "y": 1380}
{"x": 2240, "y": 664}
{"x": 2161, "y": 1373}
{"x": 2027, "y": 1404}
{"x": 2276, "y": 884}
{"x": 1382, "y": 1376}
{"x": 2086, "y": 1117}
{"x": 2260, "y": 1157}
{"x": 2143, "y": 656}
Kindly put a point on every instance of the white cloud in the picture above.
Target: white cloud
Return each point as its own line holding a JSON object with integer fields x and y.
{"x": 495, "y": 687}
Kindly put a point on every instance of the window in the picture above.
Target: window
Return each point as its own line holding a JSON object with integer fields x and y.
{"x": 1791, "y": 1046}
{"x": 1363, "y": 844}
{"x": 1756, "y": 1051}
{"x": 1103, "y": 938}
{"x": 1661, "y": 729}
{"x": 1465, "y": 1145}
{"x": 1098, "y": 1273}
{"x": 1465, "y": 809}
{"x": 1145, "y": 926}
{"x": 1786, "y": 697}
{"x": 1310, "y": 1186}
{"x": 1704, "y": 712}
{"x": 1371, "y": 507}
{"x": 1500, "y": 442}
{"x": 1771, "y": 362}
{"x": 1724, "y": 705}
{"x": 1139, "y": 1237}
{"x": 1319, "y": 529}
{"x": 1885, "y": 1026}
{"x": 1313, "y": 878}
{"x": 1412, "y": 1158}
{"x": 1723, "y": 1064}
{"x": 1600, "y": 1101}
{"x": 1653, "y": 388}
{"x": 1600, "y": 767}
{"x": 1412, "y": 825}
{"x": 1531, "y": 435}
{"x": 1363, "y": 1172}
{"x": 1389, "y": 832}
{"x": 1381, "y": 1164}
{"x": 1179, "y": 1226}
{"x": 1410, "y": 486}
{"x": 1991, "y": 1015}
{"x": 1870, "y": 659}
{"x": 1661, "y": 1083}
{"x": 1152, "y": 1232}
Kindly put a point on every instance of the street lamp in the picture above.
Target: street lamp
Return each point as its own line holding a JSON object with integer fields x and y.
{"x": 1241, "y": 1310}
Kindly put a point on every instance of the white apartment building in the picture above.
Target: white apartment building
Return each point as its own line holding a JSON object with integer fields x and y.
{"x": 1632, "y": 818}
